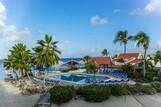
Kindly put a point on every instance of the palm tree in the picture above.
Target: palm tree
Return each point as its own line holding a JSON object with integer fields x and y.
{"x": 143, "y": 39}
{"x": 8, "y": 64}
{"x": 46, "y": 53}
{"x": 122, "y": 37}
{"x": 86, "y": 59}
{"x": 92, "y": 67}
{"x": 19, "y": 59}
{"x": 105, "y": 52}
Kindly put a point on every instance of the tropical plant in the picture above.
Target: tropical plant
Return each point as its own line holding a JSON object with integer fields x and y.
{"x": 143, "y": 39}
{"x": 105, "y": 52}
{"x": 92, "y": 67}
{"x": 157, "y": 57}
{"x": 86, "y": 59}
{"x": 46, "y": 53}
{"x": 148, "y": 63}
{"x": 122, "y": 37}
{"x": 61, "y": 94}
{"x": 8, "y": 65}
{"x": 19, "y": 59}
{"x": 94, "y": 93}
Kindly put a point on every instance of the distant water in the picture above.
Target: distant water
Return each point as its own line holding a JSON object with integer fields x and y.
{"x": 1, "y": 70}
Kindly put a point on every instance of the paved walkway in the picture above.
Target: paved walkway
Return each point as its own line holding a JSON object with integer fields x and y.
{"x": 146, "y": 101}
{"x": 11, "y": 97}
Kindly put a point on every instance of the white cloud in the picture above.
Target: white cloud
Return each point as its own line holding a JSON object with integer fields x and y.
{"x": 96, "y": 20}
{"x": 116, "y": 11}
{"x": 9, "y": 33}
{"x": 159, "y": 43}
{"x": 137, "y": 11}
{"x": 152, "y": 7}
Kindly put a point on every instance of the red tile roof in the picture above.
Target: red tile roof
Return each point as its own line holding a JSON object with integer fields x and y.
{"x": 102, "y": 60}
{"x": 128, "y": 55}
{"x": 136, "y": 61}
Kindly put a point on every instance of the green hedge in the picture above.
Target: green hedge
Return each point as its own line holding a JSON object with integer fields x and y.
{"x": 118, "y": 90}
{"x": 141, "y": 89}
{"x": 94, "y": 93}
{"x": 61, "y": 94}
{"x": 150, "y": 75}
{"x": 99, "y": 93}
{"x": 156, "y": 85}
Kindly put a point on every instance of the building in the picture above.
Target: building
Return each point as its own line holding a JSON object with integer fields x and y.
{"x": 123, "y": 58}
{"x": 129, "y": 58}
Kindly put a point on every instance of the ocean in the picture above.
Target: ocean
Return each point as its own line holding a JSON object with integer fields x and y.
{"x": 2, "y": 70}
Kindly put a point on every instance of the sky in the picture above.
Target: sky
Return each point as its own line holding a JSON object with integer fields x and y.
{"x": 82, "y": 27}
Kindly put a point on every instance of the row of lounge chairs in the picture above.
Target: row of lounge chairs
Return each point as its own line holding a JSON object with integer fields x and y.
{"x": 108, "y": 81}
{"x": 50, "y": 81}
{"x": 114, "y": 73}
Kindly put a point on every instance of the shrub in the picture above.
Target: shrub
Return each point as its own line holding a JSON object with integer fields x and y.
{"x": 135, "y": 75}
{"x": 129, "y": 69}
{"x": 141, "y": 89}
{"x": 94, "y": 93}
{"x": 150, "y": 75}
{"x": 158, "y": 78}
{"x": 118, "y": 90}
{"x": 134, "y": 89}
{"x": 157, "y": 86}
{"x": 61, "y": 94}
{"x": 148, "y": 89}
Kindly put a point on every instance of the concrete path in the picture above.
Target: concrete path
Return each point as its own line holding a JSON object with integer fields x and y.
{"x": 137, "y": 101}
{"x": 11, "y": 97}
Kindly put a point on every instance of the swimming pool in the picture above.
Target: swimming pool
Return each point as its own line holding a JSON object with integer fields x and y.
{"x": 80, "y": 78}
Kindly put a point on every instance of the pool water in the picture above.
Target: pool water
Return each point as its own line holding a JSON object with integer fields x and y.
{"x": 79, "y": 77}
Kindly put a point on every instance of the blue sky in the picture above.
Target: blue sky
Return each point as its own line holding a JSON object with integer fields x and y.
{"x": 81, "y": 26}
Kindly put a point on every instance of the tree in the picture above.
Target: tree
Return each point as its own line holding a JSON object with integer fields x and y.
{"x": 46, "y": 53}
{"x": 157, "y": 57}
{"x": 143, "y": 39}
{"x": 86, "y": 59}
{"x": 105, "y": 52}
{"x": 92, "y": 67}
{"x": 122, "y": 38}
{"x": 19, "y": 59}
{"x": 8, "y": 65}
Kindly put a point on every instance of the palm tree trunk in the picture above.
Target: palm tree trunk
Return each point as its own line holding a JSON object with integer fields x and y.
{"x": 16, "y": 75}
{"x": 124, "y": 48}
{"x": 144, "y": 67}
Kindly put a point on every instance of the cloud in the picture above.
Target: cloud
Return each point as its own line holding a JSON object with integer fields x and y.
{"x": 159, "y": 43}
{"x": 8, "y": 33}
{"x": 96, "y": 20}
{"x": 152, "y": 7}
{"x": 116, "y": 11}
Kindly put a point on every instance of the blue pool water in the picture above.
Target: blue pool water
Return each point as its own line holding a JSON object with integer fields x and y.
{"x": 79, "y": 77}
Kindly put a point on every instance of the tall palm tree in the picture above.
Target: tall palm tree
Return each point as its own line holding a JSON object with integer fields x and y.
{"x": 122, "y": 38}
{"x": 143, "y": 39}
{"x": 19, "y": 59}
{"x": 86, "y": 59}
{"x": 46, "y": 53}
{"x": 105, "y": 52}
